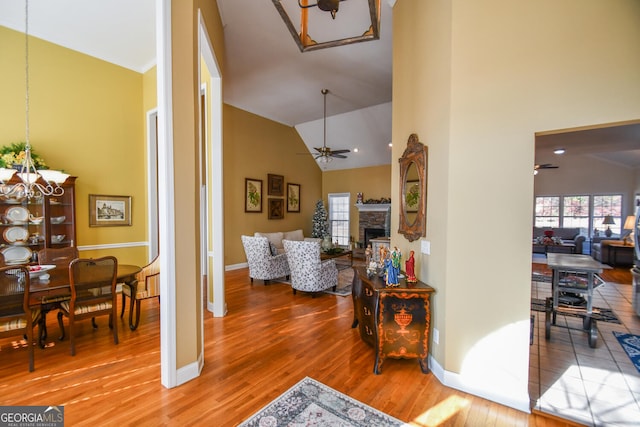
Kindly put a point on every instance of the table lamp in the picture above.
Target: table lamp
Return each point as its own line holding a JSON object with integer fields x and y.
{"x": 629, "y": 224}
{"x": 608, "y": 220}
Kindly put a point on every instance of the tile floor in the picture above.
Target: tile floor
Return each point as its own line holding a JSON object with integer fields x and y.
{"x": 591, "y": 386}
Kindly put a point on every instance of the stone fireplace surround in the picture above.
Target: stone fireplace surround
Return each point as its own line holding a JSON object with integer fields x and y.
{"x": 373, "y": 219}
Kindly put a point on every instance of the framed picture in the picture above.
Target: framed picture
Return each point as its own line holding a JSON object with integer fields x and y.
{"x": 252, "y": 195}
{"x": 276, "y": 185}
{"x": 276, "y": 208}
{"x": 105, "y": 211}
{"x": 293, "y": 197}
{"x": 412, "y": 195}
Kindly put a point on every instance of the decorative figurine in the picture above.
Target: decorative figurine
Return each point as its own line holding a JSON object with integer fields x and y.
{"x": 367, "y": 254}
{"x": 359, "y": 198}
{"x": 393, "y": 267}
{"x": 410, "y": 268}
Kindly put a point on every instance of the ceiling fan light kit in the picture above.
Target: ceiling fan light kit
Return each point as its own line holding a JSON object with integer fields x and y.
{"x": 348, "y": 31}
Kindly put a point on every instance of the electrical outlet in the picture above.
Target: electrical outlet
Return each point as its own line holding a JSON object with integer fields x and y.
{"x": 425, "y": 247}
{"x": 436, "y": 336}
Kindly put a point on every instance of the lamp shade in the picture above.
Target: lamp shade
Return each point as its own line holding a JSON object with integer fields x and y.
{"x": 608, "y": 220}
{"x": 629, "y": 223}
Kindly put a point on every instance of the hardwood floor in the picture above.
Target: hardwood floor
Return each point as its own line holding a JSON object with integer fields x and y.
{"x": 269, "y": 341}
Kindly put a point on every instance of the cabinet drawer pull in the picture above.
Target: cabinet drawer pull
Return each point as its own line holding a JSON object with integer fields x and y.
{"x": 368, "y": 292}
{"x": 368, "y": 330}
{"x": 366, "y": 311}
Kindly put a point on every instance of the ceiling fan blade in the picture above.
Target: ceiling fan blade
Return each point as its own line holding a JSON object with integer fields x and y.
{"x": 319, "y": 150}
{"x": 339, "y": 156}
{"x": 340, "y": 151}
{"x": 546, "y": 166}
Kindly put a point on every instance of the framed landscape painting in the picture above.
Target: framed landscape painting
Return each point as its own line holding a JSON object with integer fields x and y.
{"x": 107, "y": 211}
{"x": 293, "y": 197}
{"x": 252, "y": 195}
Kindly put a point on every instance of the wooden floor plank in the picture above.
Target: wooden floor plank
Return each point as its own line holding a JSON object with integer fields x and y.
{"x": 269, "y": 341}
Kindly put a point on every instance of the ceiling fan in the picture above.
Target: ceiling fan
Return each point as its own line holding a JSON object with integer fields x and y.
{"x": 325, "y": 153}
{"x": 538, "y": 167}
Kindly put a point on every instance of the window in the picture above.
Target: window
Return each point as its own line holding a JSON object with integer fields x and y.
{"x": 586, "y": 212}
{"x": 604, "y": 205}
{"x": 339, "y": 217}
{"x": 547, "y": 212}
{"x": 575, "y": 212}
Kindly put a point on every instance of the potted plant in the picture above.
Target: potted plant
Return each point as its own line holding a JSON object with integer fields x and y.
{"x": 13, "y": 155}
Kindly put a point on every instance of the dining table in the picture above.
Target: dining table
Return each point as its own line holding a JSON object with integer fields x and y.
{"x": 49, "y": 288}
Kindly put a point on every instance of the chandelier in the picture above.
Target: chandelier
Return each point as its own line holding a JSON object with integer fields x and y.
{"x": 31, "y": 181}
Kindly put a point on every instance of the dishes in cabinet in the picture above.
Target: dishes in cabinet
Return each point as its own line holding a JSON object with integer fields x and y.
{"x": 16, "y": 235}
{"x": 58, "y": 219}
{"x": 35, "y": 219}
{"x": 57, "y": 238}
{"x": 16, "y": 255}
{"x": 17, "y": 214}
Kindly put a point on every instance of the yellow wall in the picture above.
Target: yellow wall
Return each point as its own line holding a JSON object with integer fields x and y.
{"x": 373, "y": 182}
{"x": 85, "y": 118}
{"x": 254, "y": 147}
{"x": 491, "y": 79}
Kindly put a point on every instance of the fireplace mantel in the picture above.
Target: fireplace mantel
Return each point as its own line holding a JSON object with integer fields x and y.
{"x": 373, "y": 207}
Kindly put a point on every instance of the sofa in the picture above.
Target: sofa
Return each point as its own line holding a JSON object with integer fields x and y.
{"x": 567, "y": 235}
{"x": 276, "y": 238}
{"x": 601, "y": 251}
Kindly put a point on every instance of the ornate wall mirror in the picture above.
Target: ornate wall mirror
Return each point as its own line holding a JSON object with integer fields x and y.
{"x": 413, "y": 190}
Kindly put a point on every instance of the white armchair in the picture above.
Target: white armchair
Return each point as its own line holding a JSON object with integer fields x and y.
{"x": 263, "y": 265}
{"x": 308, "y": 272}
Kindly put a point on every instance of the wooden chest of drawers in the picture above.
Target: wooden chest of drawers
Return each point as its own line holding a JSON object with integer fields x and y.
{"x": 394, "y": 320}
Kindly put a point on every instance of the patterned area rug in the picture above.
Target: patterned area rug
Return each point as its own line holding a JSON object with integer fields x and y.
{"x": 600, "y": 314}
{"x": 345, "y": 277}
{"x": 311, "y": 403}
{"x": 631, "y": 345}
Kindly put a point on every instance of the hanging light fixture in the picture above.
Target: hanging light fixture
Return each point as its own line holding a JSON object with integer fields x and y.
{"x": 359, "y": 22}
{"x": 31, "y": 181}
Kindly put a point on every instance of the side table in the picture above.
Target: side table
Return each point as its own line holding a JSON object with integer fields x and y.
{"x": 396, "y": 321}
{"x": 618, "y": 245}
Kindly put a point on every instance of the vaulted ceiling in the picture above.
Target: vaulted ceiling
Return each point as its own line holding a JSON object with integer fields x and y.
{"x": 270, "y": 77}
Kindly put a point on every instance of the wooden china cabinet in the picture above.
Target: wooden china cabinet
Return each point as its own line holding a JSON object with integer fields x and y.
{"x": 394, "y": 320}
{"x": 28, "y": 225}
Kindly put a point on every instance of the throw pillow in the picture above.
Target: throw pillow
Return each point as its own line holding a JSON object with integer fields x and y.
{"x": 296, "y": 235}
{"x": 273, "y": 249}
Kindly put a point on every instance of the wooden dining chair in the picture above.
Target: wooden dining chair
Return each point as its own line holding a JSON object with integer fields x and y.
{"x": 93, "y": 293}
{"x": 61, "y": 258}
{"x": 146, "y": 285}
{"x": 16, "y": 316}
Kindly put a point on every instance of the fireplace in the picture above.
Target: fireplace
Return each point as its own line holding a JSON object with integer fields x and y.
{"x": 372, "y": 233}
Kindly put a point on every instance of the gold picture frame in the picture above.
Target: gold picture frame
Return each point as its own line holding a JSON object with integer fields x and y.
{"x": 293, "y": 197}
{"x": 252, "y": 195}
{"x": 109, "y": 211}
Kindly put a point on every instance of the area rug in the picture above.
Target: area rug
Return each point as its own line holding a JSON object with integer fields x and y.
{"x": 599, "y": 314}
{"x": 345, "y": 278}
{"x": 631, "y": 345}
{"x": 311, "y": 403}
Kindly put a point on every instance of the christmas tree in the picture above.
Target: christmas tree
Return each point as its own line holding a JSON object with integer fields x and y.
{"x": 320, "y": 224}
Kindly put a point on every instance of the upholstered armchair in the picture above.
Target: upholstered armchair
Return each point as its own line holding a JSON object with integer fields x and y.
{"x": 262, "y": 264}
{"x": 146, "y": 285}
{"x": 308, "y": 272}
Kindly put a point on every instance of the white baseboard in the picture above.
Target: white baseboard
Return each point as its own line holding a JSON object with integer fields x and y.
{"x": 453, "y": 380}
